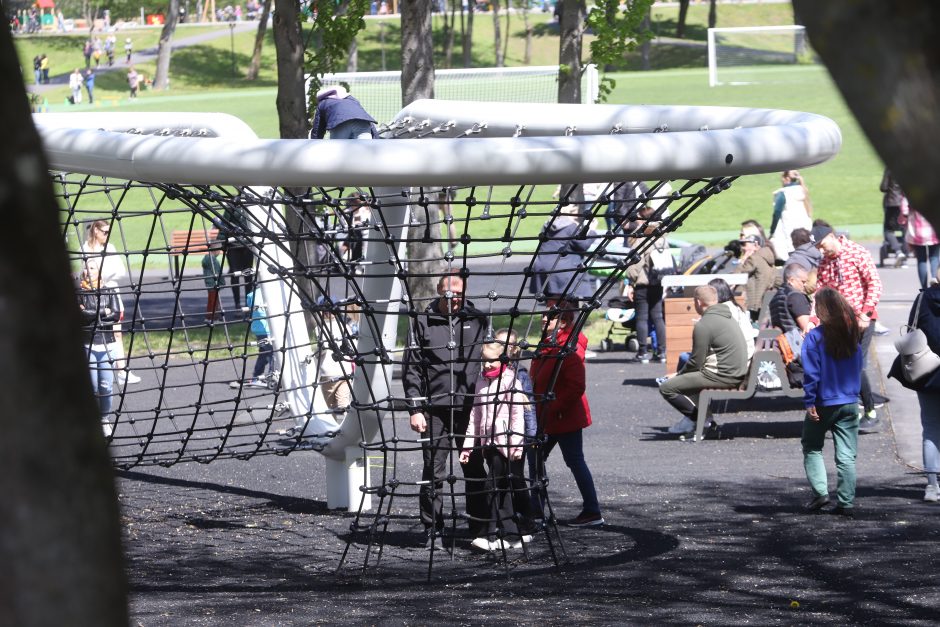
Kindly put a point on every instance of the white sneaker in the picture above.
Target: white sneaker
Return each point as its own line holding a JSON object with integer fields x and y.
{"x": 881, "y": 329}
{"x": 257, "y": 383}
{"x": 130, "y": 378}
{"x": 108, "y": 430}
{"x": 526, "y": 539}
{"x": 483, "y": 544}
{"x": 686, "y": 425}
{"x": 932, "y": 494}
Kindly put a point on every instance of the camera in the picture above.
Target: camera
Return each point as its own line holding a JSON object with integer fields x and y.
{"x": 734, "y": 248}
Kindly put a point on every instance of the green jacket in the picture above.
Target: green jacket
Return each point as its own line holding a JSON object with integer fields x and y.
{"x": 717, "y": 334}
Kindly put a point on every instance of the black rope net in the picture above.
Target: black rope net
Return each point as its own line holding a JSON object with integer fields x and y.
{"x": 186, "y": 385}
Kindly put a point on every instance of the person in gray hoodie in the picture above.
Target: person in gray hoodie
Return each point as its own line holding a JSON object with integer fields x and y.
{"x": 718, "y": 361}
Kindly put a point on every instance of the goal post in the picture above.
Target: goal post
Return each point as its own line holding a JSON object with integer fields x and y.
{"x": 742, "y": 55}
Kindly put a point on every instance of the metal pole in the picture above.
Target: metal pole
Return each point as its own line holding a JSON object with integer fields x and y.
{"x": 231, "y": 30}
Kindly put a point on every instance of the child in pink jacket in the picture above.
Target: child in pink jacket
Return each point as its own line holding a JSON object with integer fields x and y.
{"x": 497, "y": 426}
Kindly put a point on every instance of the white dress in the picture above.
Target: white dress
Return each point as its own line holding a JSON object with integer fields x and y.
{"x": 794, "y": 216}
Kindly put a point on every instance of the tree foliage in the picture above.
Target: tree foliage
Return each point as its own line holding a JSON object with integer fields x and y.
{"x": 618, "y": 28}
{"x": 334, "y": 29}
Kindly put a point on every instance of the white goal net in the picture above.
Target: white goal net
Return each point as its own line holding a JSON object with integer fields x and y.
{"x": 758, "y": 54}
{"x": 380, "y": 92}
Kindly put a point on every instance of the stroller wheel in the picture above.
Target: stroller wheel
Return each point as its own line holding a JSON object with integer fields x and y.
{"x": 606, "y": 344}
{"x": 632, "y": 345}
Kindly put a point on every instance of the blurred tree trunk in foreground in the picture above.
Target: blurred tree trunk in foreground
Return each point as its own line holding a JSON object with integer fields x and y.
{"x": 885, "y": 59}
{"x": 60, "y": 534}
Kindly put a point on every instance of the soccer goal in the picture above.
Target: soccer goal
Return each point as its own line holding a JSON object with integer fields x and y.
{"x": 757, "y": 54}
{"x": 380, "y": 92}
{"x": 327, "y": 229}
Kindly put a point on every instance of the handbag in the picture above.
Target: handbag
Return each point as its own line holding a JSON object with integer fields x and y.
{"x": 917, "y": 360}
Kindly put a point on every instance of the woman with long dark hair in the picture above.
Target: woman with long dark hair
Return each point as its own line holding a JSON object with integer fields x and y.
{"x": 832, "y": 364}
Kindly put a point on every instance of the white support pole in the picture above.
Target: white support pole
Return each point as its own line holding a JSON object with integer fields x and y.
{"x": 372, "y": 380}
{"x": 592, "y": 87}
{"x": 712, "y": 59}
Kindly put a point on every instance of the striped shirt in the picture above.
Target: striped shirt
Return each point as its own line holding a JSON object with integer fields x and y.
{"x": 852, "y": 272}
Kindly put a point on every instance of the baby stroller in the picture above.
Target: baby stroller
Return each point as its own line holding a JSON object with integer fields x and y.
{"x": 622, "y": 318}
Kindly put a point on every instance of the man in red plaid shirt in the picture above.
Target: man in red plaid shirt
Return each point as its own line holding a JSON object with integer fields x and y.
{"x": 850, "y": 269}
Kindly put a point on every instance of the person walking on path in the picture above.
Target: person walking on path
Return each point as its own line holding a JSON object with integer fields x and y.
{"x": 44, "y": 66}
{"x": 922, "y": 240}
{"x": 37, "y": 69}
{"x": 90, "y": 85}
{"x": 128, "y": 50}
{"x": 832, "y": 371}
{"x": 133, "y": 81}
{"x": 341, "y": 115}
{"x": 75, "y": 85}
{"x": 87, "y": 49}
{"x": 891, "y": 202}
{"x": 439, "y": 371}
{"x": 925, "y": 314}
{"x": 792, "y": 210}
{"x": 849, "y": 268}
{"x": 100, "y": 310}
{"x": 564, "y": 417}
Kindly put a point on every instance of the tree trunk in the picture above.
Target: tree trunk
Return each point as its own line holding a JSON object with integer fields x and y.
{"x": 571, "y": 30}
{"x": 646, "y": 45}
{"x": 507, "y": 31}
{"x": 352, "y": 59}
{"x": 417, "y": 51}
{"x": 883, "y": 57}
{"x": 683, "y": 14}
{"x": 450, "y": 24}
{"x": 60, "y": 532}
{"x": 161, "y": 77}
{"x": 468, "y": 37}
{"x": 497, "y": 35}
{"x": 417, "y": 81}
{"x": 255, "y": 66}
{"x": 527, "y": 26}
{"x": 712, "y": 13}
{"x": 291, "y": 100}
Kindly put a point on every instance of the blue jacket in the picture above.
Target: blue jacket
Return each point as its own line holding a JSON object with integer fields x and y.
{"x": 826, "y": 381}
{"x": 259, "y": 314}
{"x": 331, "y": 112}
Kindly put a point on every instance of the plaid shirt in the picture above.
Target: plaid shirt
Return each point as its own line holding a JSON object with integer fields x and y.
{"x": 852, "y": 272}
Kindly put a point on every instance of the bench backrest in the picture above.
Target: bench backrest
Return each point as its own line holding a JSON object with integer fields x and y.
{"x": 191, "y": 242}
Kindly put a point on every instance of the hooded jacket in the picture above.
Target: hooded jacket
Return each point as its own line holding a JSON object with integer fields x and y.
{"x": 497, "y": 417}
{"x": 568, "y": 411}
{"x": 718, "y": 334}
{"x": 427, "y": 362}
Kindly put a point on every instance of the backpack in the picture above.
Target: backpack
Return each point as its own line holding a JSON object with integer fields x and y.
{"x": 661, "y": 263}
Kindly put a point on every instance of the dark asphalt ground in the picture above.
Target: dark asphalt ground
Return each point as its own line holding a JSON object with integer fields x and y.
{"x": 708, "y": 533}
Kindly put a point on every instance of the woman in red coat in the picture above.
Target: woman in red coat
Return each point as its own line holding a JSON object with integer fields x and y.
{"x": 564, "y": 417}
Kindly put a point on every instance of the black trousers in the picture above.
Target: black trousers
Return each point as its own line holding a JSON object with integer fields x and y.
{"x": 445, "y": 435}
{"x": 509, "y": 505}
{"x": 648, "y": 302}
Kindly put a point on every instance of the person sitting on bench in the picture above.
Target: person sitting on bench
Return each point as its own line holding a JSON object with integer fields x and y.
{"x": 718, "y": 360}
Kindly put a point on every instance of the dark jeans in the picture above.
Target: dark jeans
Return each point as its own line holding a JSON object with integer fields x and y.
{"x": 891, "y": 228}
{"x": 928, "y": 258}
{"x": 509, "y": 505}
{"x": 648, "y": 303}
{"x": 265, "y": 356}
{"x": 572, "y": 450}
{"x": 435, "y": 453}
{"x": 867, "y": 334}
{"x": 239, "y": 260}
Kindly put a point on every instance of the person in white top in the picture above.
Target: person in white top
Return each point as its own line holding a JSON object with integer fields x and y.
{"x": 97, "y": 244}
{"x": 792, "y": 210}
{"x": 75, "y": 84}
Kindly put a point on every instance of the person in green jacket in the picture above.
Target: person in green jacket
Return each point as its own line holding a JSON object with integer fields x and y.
{"x": 718, "y": 360}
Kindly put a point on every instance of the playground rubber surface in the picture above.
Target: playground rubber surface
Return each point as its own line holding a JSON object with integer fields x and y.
{"x": 708, "y": 533}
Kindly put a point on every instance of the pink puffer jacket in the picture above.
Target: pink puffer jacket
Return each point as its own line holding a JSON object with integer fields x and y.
{"x": 497, "y": 414}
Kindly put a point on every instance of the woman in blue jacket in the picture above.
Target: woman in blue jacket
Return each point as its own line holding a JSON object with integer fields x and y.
{"x": 832, "y": 364}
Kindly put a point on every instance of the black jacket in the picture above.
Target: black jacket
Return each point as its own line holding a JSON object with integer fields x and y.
{"x": 929, "y": 322}
{"x": 430, "y": 358}
{"x": 100, "y": 309}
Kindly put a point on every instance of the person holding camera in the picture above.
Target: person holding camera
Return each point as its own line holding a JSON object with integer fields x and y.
{"x": 792, "y": 210}
{"x": 761, "y": 275}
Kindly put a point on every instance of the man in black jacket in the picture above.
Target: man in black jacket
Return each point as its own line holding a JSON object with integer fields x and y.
{"x": 440, "y": 369}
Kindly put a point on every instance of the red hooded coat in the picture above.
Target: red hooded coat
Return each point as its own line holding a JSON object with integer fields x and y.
{"x": 569, "y": 411}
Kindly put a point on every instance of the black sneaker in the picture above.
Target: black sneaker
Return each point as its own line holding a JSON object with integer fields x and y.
{"x": 869, "y": 424}
{"x": 586, "y": 520}
{"x": 817, "y": 503}
{"x": 848, "y": 512}
{"x": 643, "y": 358}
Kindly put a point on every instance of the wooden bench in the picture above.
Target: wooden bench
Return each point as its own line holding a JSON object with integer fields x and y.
{"x": 766, "y": 352}
{"x": 190, "y": 243}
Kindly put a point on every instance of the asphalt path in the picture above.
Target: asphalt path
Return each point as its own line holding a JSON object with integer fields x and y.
{"x": 706, "y": 533}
